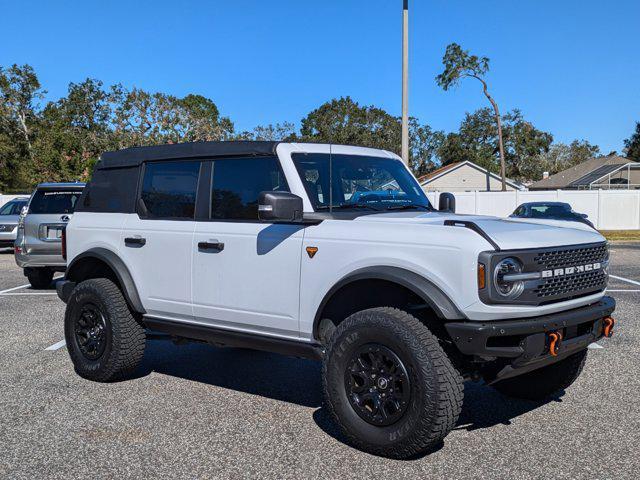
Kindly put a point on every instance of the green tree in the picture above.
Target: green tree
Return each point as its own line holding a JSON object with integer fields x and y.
{"x": 632, "y": 145}
{"x": 344, "y": 121}
{"x": 561, "y": 156}
{"x": 459, "y": 64}
{"x": 20, "y": 94}
{"x": 283, "y": 132}
{"x": 477, "y": 140}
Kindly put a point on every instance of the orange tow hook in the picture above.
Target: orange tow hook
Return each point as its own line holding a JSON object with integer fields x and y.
{"x": 555, "y": 338}
{"x": 608, "y": 324}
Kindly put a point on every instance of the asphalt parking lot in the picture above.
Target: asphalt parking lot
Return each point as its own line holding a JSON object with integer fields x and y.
{"x": 195, "y": 411}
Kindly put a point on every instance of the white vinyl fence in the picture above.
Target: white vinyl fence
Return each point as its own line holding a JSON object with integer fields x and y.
{"x": 607, "y": 209}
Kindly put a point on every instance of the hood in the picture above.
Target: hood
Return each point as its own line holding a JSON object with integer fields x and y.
{"x": 508, "y": 234}
{"x": 9, "y": 219}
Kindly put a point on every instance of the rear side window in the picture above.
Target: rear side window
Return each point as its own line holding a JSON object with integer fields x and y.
{"x": 111, "y": 191}
{"x": 169, "y": 189}
{"x": 237, "y": 183}
{"x": 54, "y": 201}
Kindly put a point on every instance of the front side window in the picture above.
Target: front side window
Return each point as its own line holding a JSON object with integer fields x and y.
{"x": 354, "y": 181}
{"x": 169, "y": 189}
{"x": 237, "y": 183}
{"x": 54, "y": 201}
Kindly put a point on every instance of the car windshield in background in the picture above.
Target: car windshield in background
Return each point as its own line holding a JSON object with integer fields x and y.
{"x": 12, "y": 208}
{"x": 547, "y": 211}
{"x": 54, "y": 201}
{"x": 374, "y": 183}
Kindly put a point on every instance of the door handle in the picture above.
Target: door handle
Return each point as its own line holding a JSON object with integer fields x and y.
{"x": 135, "y": 241}
{"x": 213, "y": 245}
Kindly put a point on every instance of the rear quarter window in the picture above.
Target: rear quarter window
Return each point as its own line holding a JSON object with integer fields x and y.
{"x": 111, "y": 191}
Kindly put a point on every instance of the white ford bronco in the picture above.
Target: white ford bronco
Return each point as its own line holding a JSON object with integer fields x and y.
{"x": 334, "y": 253}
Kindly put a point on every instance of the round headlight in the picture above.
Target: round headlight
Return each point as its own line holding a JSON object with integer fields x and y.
{"x": 507, "y": 288}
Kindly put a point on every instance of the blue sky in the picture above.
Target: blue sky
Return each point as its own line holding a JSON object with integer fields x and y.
{"x": 572, "y": 67}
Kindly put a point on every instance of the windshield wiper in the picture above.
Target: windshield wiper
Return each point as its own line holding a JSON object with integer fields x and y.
{"x": 344, "y": 206}
{"x": 410, "y": 206}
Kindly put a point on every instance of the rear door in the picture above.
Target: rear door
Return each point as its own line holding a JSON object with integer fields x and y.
{"x": 246, "y": 273}
{"x": 156, "y": 242}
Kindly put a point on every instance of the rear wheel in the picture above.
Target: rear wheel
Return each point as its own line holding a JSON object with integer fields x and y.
{"x": 544, "y": 382}
{"x": 389, "y": 385}
{"x": 104, "y": 339}
{"x": 40, "y": 277}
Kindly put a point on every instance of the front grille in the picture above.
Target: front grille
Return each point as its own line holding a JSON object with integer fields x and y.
{"x": 578, "y": 284}
{"x": 7, "y": 228}
{"x": 572, "y": 285}
{"x": 571, "y": 257}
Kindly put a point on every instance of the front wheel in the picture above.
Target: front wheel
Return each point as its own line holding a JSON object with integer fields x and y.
{"x": 389, "y": 385}
{"x": 544, "y": 382}
{"x": 104, "y": 339}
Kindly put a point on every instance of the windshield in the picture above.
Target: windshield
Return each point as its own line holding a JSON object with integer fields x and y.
{"x": 546, "y": 211}
{"x": 358, "y": 181}
{"x": 13, "y": 208}
{"x": 54, "y": 201}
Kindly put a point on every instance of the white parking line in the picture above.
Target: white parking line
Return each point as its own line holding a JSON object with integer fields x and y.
{"x": 5, "y": 292}
{"x": 27, "y": 293}
{"x": 625, "y": 279}
{"x": 629, "y": 290}
{"x": 14, "y": 288}
{"x": 56, "y": 346}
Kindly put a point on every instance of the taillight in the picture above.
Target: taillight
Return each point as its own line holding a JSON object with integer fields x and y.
{"x": 63, "y": 238}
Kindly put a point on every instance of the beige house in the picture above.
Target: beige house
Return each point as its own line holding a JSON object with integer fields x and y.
{"x": 464, "y": 177}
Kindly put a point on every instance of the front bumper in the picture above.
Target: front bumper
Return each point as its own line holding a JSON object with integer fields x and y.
{"x": 522, "y": 345}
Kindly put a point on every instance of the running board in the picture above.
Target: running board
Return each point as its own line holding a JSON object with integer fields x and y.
{"x": 230, "y": 338}
{"x": 475, "y": 227}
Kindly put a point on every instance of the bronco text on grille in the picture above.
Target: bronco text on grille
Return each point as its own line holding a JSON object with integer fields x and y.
{"x": 572, "y": 272}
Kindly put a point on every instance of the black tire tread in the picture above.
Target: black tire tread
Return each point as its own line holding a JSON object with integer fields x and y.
{"x": 544, "y": 382}
{"x": 128, "y": 335}
{"x": 448, "y": 386}
{"x": 40, "y": 278}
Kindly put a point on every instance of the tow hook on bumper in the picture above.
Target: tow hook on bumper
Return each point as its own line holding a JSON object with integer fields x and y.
{"x": 608, "y": 324}
{"x": 515, "y": 346}
{"x": 555, "y": 339}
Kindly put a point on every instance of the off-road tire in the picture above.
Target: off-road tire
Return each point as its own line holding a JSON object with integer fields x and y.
{"x": 40, "y": 278}
{"x": 436, "y": 391}
{"x": 125, "y": 336}
{"x": 544, "y": 382}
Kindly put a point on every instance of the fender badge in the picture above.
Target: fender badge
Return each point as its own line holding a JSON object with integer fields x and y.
{"x": 311, "y": 251}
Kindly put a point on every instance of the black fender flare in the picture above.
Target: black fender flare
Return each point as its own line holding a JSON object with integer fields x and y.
{"x": 118, "y": 267}
{"x": 432, "y": 295}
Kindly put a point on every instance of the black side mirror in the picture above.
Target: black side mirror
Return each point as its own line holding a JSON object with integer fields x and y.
{"x": 447, "y": 202}
{"x": 583, "y": 215}
{"x": 279, "y": 207}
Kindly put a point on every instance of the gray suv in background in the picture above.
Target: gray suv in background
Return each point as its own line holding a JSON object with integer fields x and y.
{"x": 9, "y": 218}
{"x": 38, "y": 247}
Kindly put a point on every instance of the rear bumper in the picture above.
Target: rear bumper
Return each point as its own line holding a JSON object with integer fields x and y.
{"x": 523, "y": 344}
{"x": 25, "y": 260}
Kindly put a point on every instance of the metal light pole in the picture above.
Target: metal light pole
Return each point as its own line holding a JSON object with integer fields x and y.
{"x": 405, "y": 81}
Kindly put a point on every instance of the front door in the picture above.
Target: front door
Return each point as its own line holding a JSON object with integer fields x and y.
{"x": 156, "y": 242}
{"x": 246, "y": 273}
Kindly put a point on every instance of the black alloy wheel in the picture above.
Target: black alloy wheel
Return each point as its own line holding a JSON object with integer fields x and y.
{"x": 377, "y": 385}
{"x": 90, "y": 331}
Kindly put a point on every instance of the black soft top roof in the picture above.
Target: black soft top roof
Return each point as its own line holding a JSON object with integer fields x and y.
{"x": 130, "y": 157}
